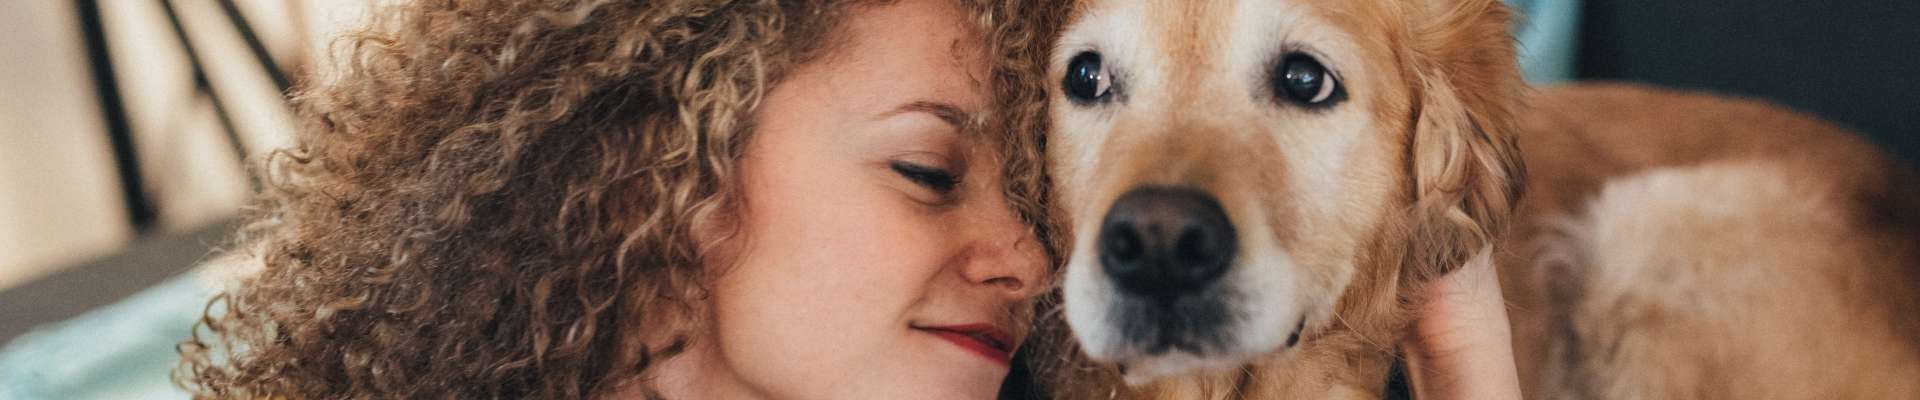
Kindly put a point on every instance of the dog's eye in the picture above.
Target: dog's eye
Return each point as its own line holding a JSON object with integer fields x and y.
{"x": 1304, "y": 81}
{"x": 1087, "y": 80}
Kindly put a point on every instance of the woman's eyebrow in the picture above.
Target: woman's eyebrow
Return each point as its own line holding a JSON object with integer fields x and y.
{"x": 962, "y": 120}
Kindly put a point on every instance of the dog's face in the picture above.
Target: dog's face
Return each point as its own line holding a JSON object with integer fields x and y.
{"x": 1237, "y": 174}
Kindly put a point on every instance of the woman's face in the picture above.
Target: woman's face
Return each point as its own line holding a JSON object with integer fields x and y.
{"x": 877, "y": 257}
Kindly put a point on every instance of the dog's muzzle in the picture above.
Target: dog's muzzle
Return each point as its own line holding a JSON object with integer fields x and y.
{"x": 1165, "y": 249}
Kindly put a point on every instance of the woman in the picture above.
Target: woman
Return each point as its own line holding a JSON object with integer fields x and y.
{"x": 625, "y": 199}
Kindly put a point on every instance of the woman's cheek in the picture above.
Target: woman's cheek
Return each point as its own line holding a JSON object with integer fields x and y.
{"x": 842, "y": 276}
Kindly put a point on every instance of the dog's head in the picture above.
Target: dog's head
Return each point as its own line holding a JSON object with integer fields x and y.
{"x": 1242, "y": 177}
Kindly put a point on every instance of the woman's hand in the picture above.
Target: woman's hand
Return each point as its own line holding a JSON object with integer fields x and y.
{"x": 1462, "y": 346}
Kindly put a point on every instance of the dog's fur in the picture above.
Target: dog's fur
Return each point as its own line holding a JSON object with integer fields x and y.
{"x": 1669, "y": 245}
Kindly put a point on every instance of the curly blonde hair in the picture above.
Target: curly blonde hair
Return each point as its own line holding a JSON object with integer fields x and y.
{"x": 496, "y": 197}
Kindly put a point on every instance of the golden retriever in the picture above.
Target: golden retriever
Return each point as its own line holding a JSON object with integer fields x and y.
{"x": 1256, "y": 189}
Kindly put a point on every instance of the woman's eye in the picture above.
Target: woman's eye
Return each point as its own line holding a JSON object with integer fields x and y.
{"x": 932, "y": 178}
{"x": 1302, "y": 80}
{"x": 1087, "y": 80}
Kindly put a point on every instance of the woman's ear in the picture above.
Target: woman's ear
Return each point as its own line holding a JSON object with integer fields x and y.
{"x": 1466, "y": 169}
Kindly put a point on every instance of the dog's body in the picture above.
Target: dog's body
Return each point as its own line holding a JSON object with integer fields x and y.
{"x": 1257, "y": 188}
{"x": 1681, "y": 246}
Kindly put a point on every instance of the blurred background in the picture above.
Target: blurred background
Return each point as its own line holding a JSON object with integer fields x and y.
{"x": 123, "y": 124}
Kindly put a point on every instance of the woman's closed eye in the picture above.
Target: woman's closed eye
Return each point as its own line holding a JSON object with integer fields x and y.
{"x": 938, "y": 180}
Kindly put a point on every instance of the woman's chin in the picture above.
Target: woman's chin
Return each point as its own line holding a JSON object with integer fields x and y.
{"x": 948, "y": 385}
{"x": 948, "y": 370}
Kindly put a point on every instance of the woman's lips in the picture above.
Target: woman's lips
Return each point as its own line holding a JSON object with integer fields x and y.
{"x": 983, "y": 339}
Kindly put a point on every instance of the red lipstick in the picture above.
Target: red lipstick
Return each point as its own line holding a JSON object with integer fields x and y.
{"x": 983, "y": 339}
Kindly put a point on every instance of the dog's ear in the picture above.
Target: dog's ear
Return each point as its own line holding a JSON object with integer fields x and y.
{"x": 1466, "y": 171}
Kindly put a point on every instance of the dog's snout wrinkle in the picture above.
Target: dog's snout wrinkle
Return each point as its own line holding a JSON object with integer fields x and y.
{"x": 1163, "y": 241}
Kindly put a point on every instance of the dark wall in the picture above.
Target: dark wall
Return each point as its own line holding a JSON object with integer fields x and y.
{"x": 1854, "y": 62}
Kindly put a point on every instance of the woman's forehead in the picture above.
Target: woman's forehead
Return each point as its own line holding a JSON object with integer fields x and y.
{"x": 909, "y": 56}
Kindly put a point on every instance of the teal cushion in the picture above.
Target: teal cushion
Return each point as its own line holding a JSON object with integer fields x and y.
{"x": 1548, "y": 31}
{"x": 124, "y": 350}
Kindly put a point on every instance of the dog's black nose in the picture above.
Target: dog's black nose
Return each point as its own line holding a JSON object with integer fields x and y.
{"x": 1166, "y": 241}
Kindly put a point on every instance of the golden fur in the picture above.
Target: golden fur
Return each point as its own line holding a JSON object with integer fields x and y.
{"x": 1680, "y": 245}
{"x": 1655, "y": 255}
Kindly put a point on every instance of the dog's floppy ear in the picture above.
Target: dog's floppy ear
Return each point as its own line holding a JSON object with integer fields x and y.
{"x": 1466, "y": 172}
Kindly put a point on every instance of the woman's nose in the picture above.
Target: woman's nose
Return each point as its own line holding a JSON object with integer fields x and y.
{"x": 1007, "y": 255}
